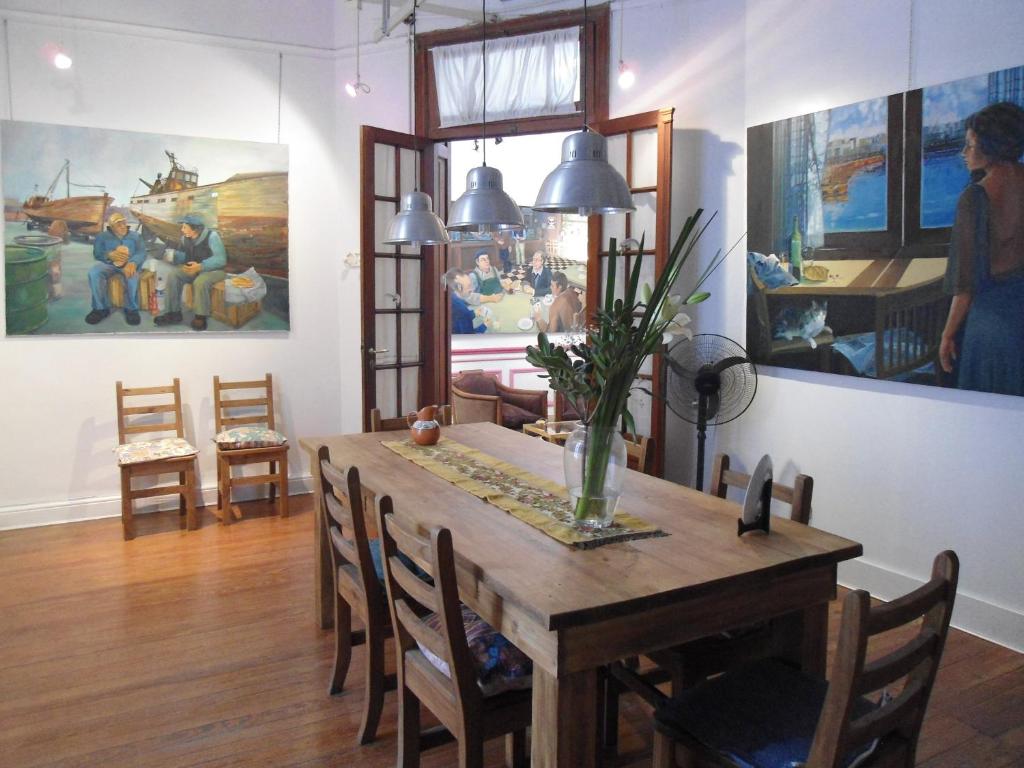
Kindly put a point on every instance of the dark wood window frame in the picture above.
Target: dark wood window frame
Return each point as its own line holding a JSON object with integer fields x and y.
{"x": 595, "y": 83}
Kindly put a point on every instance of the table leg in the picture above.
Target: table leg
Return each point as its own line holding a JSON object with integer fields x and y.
{"x": 324, "y": 579}
{"x": 565, "y": 731}
{"x": 802, "y": 638}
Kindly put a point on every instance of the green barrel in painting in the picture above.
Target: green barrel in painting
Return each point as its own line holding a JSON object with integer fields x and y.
{"x": 27, "y": 288}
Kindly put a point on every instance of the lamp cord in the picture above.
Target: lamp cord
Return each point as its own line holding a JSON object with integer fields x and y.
{"x": 583, "y": 74}
{"x": 359, "y": 13}
{"x": 483, "y": 46}
{"x": 412, "y": 76}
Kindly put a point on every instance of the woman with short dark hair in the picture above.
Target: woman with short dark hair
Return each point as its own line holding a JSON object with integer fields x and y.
{"x": 984, "y": 332}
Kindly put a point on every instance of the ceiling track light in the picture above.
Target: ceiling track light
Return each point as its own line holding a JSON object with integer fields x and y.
{"x": 584, "y": 182}
{"x": 415, "y": 223}
{"x": 484, "y": 206}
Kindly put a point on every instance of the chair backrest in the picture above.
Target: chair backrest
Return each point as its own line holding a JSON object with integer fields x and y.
{"x": 233, "y": 412}
{"x": 476, "y": 382}
{"x": 908, "y": 329}
{"x": 345, "y": 528}
{"x": 798, "y": 496}
{"x": 564, "y": 409}
{"x": 140, "y": 419}
{"x": 378, "y": 424}
{"x": 410, "y": 596}
{"x": 637, "y": 448}
{"x": 896, "y": 723}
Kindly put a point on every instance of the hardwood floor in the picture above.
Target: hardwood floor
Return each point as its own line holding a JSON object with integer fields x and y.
{"x": 200, "y": 649}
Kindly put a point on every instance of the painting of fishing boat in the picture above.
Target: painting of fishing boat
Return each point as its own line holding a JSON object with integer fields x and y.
{"x": 80, "y": 215}
{"x": 249, "y": 210}
{"x": 168, "y": 200}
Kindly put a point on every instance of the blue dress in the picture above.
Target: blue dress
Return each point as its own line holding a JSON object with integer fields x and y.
{"x": 992, "y": 350}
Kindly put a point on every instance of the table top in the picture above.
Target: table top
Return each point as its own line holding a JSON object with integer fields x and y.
{"x": 559, "y": 586}
{"x": 870, "y": 277}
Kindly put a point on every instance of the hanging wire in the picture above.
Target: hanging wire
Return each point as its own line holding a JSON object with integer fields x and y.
{"x": 280, "y": 76}
{"x": 10, "y": 88}
{"x": 412, "y": 102}
{"x": 483, "y": 46}
{"x": 583, "y": 73}
{"x": 622, "y": 16}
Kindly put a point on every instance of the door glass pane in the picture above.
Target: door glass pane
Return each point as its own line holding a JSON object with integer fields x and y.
{"x": 645, "y": 158}
{"x": 408, "y": 159}
{"x": 411, "y": 283}
{"x": 384, "y": 170}
{"x": 385, "y": 389}
{"x": 410, "y": 338}
{"x": 384, "y": 282}
{"x": 383, "y": 212}
{"x": 645, "y": 217}
{"x": 612, "y": 225}
{"x": 411, "y": 390}
{"x": 617, "y": 153}
{"x": 387, "y": 339}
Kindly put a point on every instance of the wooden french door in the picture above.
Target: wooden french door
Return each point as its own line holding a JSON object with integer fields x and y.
{"x": 401, "y": 309}
{"x": 640, "y": 148}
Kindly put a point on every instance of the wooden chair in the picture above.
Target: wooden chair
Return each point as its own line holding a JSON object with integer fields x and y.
{"x": 637, "y": 449}
{"x": 456, "y": 698}
{"x": 478, "y": 396}
{"x": 357, "y": 587}
{"x": 378, "y": 424}
{"x": 783, "y": 717}
{"x": 689, "y": 663}
{"x": 155, "y": 456}
{"x": 254, "y": 410}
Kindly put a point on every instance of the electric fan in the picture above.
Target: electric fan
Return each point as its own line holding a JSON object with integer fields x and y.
{"x": 710, "y": 380}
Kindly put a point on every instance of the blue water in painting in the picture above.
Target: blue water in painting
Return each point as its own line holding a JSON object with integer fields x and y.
{"x": 943, "y": 178}
{"x": 864, "y": 208}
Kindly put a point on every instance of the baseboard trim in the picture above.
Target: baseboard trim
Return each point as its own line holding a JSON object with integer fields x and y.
{"x": 971, "y": 614}
{"x": 96, "y": 507}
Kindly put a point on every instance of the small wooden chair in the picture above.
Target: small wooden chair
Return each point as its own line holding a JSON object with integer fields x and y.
{"x": 430, "y": 622}
{"x": 773, "y": 715}
{"x": 357, "y": 587}
{"x": 269, "y": 449}
{"x": 637, "y": 449}
{"x": 687, "y": 664}
{"x": 378, "y": 424}
{"x": 156, "y": 456}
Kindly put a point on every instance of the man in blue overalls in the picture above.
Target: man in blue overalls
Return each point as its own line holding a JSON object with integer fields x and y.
{"x": 201, "y": 257}
{"x": 119, "y": 254}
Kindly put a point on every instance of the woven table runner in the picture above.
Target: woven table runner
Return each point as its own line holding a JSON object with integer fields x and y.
{"x": 541, "y": 503}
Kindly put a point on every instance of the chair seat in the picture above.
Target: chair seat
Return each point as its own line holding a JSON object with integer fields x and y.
{"x": 762, "y": 715}
{"x": 500, "y": 666}
{"x": 249, "y": 437}
{"x": 513, "y": 417}
{"x": 154, "y": 450}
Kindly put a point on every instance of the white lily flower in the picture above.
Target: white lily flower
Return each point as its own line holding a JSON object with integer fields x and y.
{"x": 677, "y": 327}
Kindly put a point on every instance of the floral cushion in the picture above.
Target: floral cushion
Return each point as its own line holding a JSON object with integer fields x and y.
{"x": 249, "y": 437}
{"x": 500, "y": 666}
{"x": 153, "y": 450}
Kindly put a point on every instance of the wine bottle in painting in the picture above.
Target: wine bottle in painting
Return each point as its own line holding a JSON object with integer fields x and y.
{"x": 796, "y": 249}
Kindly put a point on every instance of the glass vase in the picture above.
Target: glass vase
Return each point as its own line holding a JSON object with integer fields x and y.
{"x": 595, "y": 466}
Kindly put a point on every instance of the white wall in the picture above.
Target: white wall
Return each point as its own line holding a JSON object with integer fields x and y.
{"x": 57, "y": 406}
{"x": 906, "y": 470}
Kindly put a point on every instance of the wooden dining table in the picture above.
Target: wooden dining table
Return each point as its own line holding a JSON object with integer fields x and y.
{"x": 574, "y": 610}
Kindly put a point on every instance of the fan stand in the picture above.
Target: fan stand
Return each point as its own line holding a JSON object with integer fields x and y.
{"x": 707, "y": 383}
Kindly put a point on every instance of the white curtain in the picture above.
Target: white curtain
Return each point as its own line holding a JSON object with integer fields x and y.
{"x": 527, "y": 76}
{"x": 814, "y": 235}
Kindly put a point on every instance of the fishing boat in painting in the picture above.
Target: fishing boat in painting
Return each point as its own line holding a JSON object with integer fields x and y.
{"x": 249, "y": 210}
{"x": 83, "y": 215}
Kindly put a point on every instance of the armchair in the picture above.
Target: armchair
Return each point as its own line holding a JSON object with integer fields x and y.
{"x": 478, "y": 396}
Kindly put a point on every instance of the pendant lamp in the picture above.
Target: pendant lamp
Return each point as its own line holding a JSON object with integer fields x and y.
{"x": 484, "y": 206}
{"x": 415, "y": 223}
{"x": 584, "y": 182}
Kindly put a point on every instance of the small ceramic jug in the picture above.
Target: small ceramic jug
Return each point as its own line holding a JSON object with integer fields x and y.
{"x": 423, "y": 427}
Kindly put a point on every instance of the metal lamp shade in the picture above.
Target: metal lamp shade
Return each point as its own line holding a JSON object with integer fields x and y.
{"x": 416, "y": 223}
{"x": 584, "y": 182}
{"x": 484, "y": 206}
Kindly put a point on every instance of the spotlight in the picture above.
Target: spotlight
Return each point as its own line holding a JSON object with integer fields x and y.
{"x": 626, "y": 76}
{"x": 61, "y": 60}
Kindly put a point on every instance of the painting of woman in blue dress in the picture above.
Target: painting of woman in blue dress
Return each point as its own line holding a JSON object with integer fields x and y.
{"x": 984, "y": 333}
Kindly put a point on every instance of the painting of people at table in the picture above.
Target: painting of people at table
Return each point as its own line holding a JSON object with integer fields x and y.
{"x": 111, "y": 231}
{"x": 886, "y": 237}
{"x": 520, "y": 283}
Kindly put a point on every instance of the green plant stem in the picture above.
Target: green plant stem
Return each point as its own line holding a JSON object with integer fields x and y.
{"x": 597, "y": 447}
